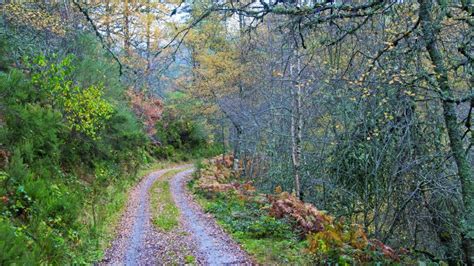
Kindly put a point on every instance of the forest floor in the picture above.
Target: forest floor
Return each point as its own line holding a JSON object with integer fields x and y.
{"x": 196, "y": 240}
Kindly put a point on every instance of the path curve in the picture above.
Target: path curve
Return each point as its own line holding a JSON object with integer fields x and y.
{"x": 215, "y": 247}
{"x": 137, "y": 242}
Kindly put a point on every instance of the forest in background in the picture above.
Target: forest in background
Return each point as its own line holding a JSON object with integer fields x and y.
{"x": 362, "y": 108}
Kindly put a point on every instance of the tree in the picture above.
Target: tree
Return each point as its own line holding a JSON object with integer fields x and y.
{"x": 464, "y": 168}
{"x": 407, "y": 68}
{"x": 217, "y": 74}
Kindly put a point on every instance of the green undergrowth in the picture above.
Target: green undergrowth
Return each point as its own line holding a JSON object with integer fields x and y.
{"x": 267, "y": 239}
{"x": 66, "y": 161}
{"x": 110, "y": 210}
{"x": 182, "y": 135}
{"x": 70, "y": 149}
{"x": 165, "y": 214}
{"x": 190, "y": 259}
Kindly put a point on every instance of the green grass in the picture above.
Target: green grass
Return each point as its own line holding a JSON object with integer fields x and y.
{"x": 111, "y": 210}
{"x": 189, "y": 259}
{"x": 267, "y": 239}
{"x": 271, "y": 251}
{"x": 165, "y": 214}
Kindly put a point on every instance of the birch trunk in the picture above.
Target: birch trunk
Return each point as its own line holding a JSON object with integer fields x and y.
{"x": 296, "y": 128}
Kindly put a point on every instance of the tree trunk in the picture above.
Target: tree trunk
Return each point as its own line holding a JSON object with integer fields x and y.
{"x": 223, "y": 138}
{"x": 148, "y": 47}
{"x": 126, "y": 28}
{"x": 236, "y": 162}
{"x": 238, "y": 141}
{"x": 108, "y": 14}
{"x": 296, "y": 129}
{"x": 454, "y": 133}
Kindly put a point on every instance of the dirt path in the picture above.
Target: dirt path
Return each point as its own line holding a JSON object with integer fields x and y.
{"x": 214, "y": 246}
{"x": 137, "y": 241}
{"x": 198, "y": 239}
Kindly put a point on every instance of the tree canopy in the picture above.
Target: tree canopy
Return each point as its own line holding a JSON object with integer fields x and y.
{"x": 362, "y": 108}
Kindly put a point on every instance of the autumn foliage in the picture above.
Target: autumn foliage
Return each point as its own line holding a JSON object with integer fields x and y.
{"x": 148, "y": 108}
{"x": 308, "y": 218}
{"x": 35, "y": 18}
{"x": 216, "y": 177}
{"x": 327, "y": 237}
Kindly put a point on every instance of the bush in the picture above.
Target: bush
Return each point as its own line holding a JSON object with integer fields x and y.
{"x": 58, "y": 179}
{"x": 290, "y": 230}
{"x": 180, "y": 135}
{"x": 16, "y": 246}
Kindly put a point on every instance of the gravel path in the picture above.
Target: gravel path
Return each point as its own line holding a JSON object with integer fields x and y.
{"x": 138, "y": 242}
{"x": 215, "y": 247}
{"x": 198, "y": 238}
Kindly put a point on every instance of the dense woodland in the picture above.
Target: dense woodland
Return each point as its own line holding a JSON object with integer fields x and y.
{"x": 362, "y": 108}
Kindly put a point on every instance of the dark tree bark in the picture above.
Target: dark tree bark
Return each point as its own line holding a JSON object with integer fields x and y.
{"x": 464, "y": 169}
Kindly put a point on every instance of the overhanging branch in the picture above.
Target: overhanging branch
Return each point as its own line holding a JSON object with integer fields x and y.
{"x": 97, "y": 33}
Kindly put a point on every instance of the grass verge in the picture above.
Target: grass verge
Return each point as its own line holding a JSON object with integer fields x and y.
{"x": 268, "y": 240}
{"x": 165, "y": 214}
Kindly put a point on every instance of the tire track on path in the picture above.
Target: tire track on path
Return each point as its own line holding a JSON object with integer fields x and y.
{"x": 138, "y": 242}
{"x": 214, "y": 246}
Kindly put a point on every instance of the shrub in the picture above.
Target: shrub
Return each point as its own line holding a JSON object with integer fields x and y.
{"x": 16, "y": 246}
{"x": 180, "y": 135}
{"x": 288, "y": 226}
{"x": 67, "y": 147}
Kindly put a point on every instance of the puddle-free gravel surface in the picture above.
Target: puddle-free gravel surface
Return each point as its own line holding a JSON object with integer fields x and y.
{"x": 198, "y": 238}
